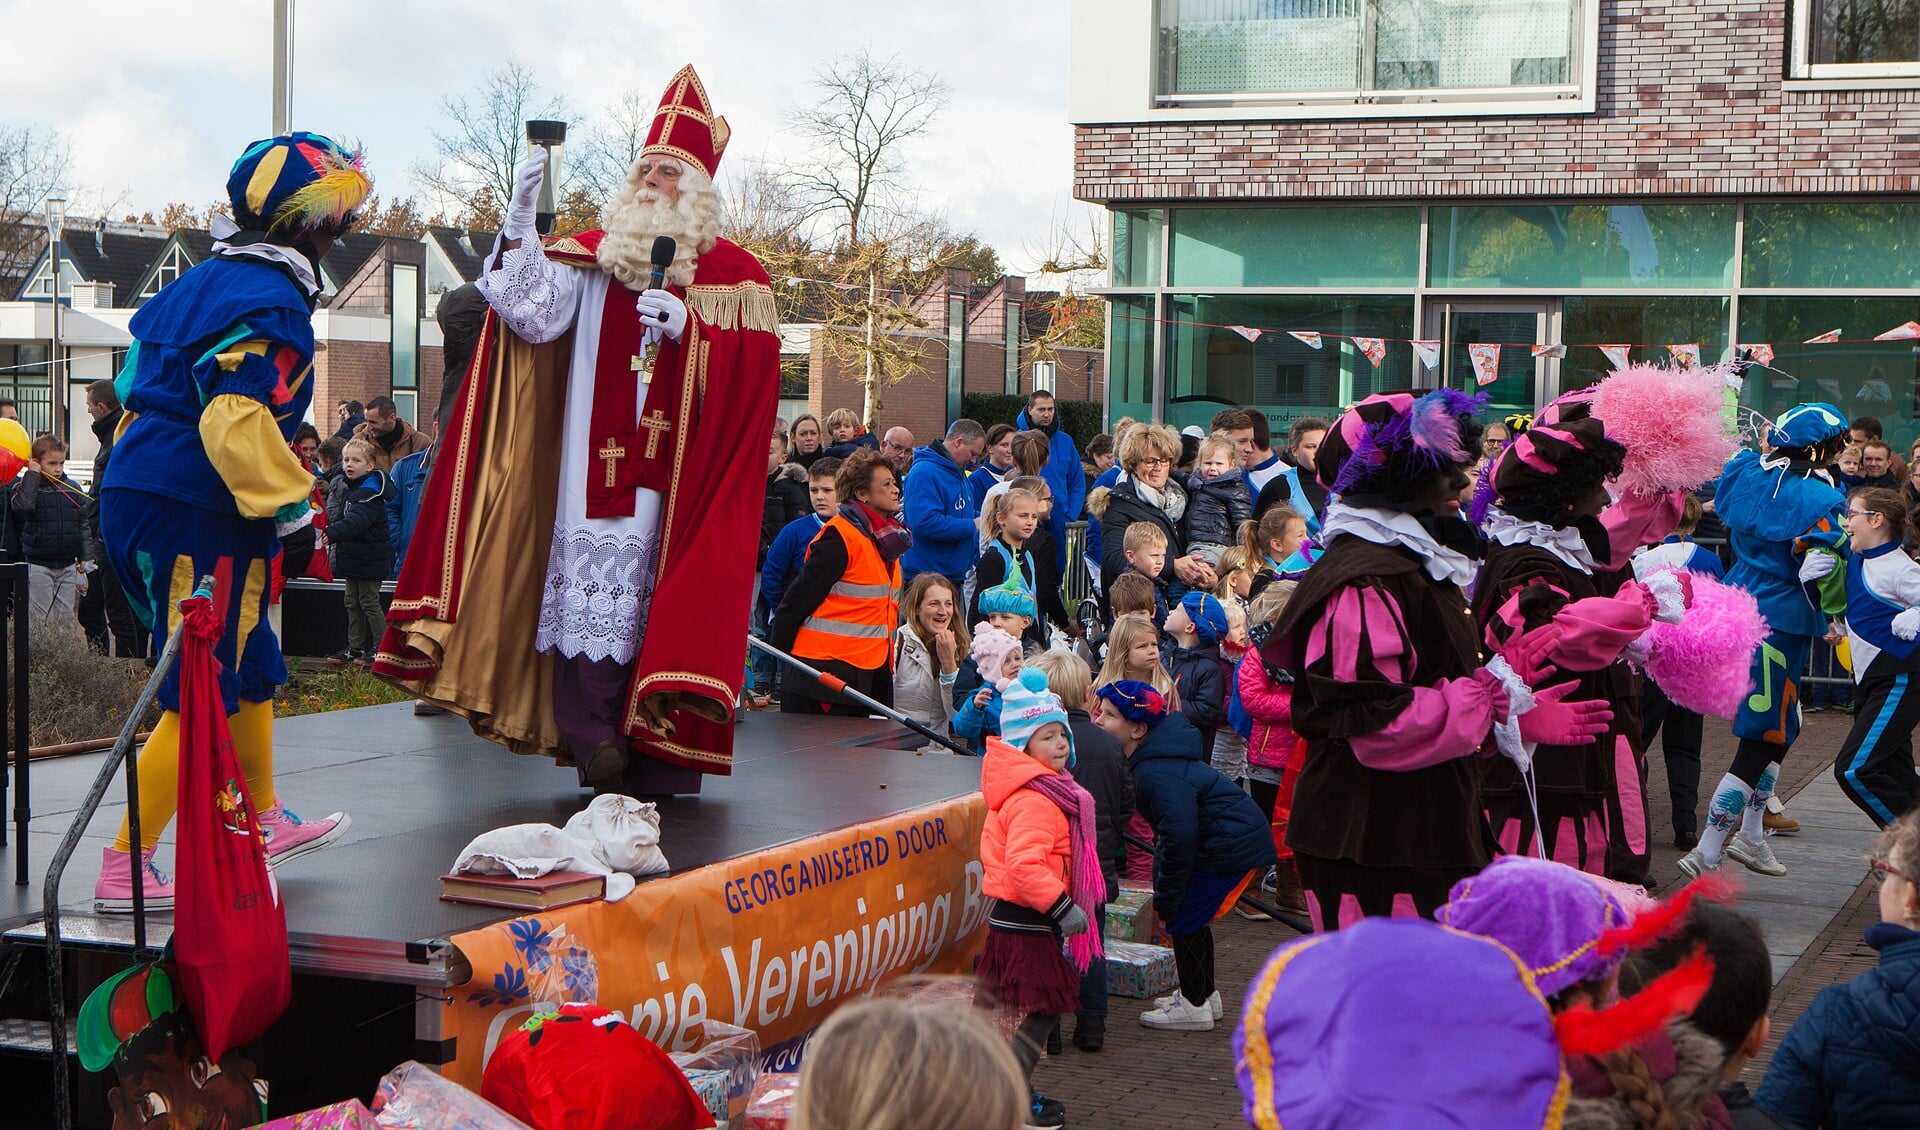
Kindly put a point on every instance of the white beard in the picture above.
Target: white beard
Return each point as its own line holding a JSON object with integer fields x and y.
{"x": 636, "y": 216}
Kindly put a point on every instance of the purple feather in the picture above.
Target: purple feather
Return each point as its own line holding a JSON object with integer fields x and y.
{"x": 1434, "y": 422}
{"x": 1482, "y": 496}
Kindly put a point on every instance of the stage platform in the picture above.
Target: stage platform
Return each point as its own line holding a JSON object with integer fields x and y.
{"x": 368, "y": 910}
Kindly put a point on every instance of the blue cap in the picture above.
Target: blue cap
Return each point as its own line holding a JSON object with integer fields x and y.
{"x": 1209, "y": 618}
{"x": 1807, "y": 425}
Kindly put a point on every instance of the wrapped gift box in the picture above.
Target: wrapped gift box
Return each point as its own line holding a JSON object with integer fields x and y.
{"x": 1139, "y": 971}
{"x": 771, "y": 1107}
{"x": 1130, "y": 917}
{"x": 349, "y": 1115}
{"x": 712, "y": 1087}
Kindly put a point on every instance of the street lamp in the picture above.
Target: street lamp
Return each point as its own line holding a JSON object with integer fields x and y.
{"x": 56, "y": 376}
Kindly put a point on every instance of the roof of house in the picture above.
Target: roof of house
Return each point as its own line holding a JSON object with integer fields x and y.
{"x": 349, "y": 253}
{"x": 467, "y": 251}
{"x": 111, "y": 253}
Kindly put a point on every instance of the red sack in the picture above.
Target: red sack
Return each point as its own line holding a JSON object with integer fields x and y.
{"x": 229, "y": 928}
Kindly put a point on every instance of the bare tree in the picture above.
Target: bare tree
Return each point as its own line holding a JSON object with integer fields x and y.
{"x": 33, "y": 162}
{"x": 611, "y": 145}
{"x": 867, "y": 112}
{"x": 485, "y": 137}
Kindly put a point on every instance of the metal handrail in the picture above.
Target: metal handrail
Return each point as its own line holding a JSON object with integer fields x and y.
{"x": 20, "y": 737}
{"x": 136, "y": 860}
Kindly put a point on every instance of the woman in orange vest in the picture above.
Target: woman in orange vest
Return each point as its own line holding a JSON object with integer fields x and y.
{"x": 841, "y": 612}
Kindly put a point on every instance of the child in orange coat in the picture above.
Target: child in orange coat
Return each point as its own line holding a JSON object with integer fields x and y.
{"x": 1042, "y": 871}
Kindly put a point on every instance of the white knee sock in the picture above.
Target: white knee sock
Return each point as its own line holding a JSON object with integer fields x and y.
{"x": 1753, "y": 828}
{"x": 1724, "y": 813}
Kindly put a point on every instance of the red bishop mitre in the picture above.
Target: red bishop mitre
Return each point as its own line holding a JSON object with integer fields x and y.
{"x": 685, "y": 125}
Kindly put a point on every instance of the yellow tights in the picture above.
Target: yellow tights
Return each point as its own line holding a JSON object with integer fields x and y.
{"x": 252, "y": 730}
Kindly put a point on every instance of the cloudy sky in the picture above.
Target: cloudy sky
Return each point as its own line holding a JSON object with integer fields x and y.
{"x": 158, "y": 97}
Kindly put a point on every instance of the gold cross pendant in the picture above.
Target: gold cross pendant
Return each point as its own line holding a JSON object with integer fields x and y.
{"x": 643, "y": 362}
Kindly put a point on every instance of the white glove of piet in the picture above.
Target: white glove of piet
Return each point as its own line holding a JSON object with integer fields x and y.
{"x": 1906, "y": 624}
{"x": 527, "y": 176}
{"x": 660, "y": 308}
{"x": 1815, "y": 566}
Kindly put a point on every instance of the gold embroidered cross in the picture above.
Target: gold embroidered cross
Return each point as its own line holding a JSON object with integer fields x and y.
{"x": 609, "y": 455}
{"x": 655, "y": 423}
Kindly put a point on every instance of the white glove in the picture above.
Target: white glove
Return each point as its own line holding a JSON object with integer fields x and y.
{"x": 527, "y": 176}
{"x": 1906, "y": 624}
{"x": 660, "y": 308}
{"x": 1815, "y": 566}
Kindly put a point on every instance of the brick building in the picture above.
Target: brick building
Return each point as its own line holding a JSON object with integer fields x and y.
{"x": 1578, "y": 172}
{"x": 977, "y": 340}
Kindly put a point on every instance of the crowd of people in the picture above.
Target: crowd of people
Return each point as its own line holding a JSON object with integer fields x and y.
{"x": 1309, "y": 661}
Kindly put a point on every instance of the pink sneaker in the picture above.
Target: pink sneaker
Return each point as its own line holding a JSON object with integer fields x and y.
{"x": 289, "y": 837}
{"x": 113, "y": 892}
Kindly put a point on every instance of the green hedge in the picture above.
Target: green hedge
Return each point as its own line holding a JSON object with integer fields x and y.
{"x": 1081, "y": 418}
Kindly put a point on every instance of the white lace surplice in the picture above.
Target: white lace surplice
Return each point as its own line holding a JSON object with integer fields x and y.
{"x": 600, "y": 571}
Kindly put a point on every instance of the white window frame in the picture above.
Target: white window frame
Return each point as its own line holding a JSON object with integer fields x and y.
{"x": 176, "y": 262}
{"x": 1577, "y": 96}
{"x": 1805, "y": 74}
{"x": 1044, "y": 374}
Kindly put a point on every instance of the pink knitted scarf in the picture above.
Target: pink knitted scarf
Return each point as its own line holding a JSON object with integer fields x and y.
{"x": 1087, "y": 886}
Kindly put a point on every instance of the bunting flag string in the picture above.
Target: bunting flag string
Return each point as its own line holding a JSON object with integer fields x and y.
{"x": 1759, "y": 351}
{"x": 1687, "y": 355}
{"x": 1616, "y": 355}
{"x": 1900, "y": 333}
{"x": 1374, "y": 348}
{"x": 1428, "y": 352}
{"x": 1247, "y": 332}
{"x": 1308, "y": 338}
{"x": 1828, "y": 338}
{"x": 1550, "y": 350}
{"x": 1486, "y": 362}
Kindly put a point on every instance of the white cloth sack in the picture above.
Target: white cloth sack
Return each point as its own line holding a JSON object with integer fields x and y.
{"x": 615, "y": 836}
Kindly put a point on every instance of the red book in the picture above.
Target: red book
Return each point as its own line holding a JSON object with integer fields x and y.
{"x": 557, "y": 888}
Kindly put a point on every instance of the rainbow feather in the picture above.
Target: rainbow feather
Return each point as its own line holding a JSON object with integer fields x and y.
{"x": 330, "y": 198}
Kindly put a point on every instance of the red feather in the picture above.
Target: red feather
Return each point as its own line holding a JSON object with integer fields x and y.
{"x": 1584, "y": 1030}
{"x": 1664, "y": 918}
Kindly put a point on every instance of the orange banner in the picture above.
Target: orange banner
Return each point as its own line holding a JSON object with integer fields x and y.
{"x": 772, "y": 941}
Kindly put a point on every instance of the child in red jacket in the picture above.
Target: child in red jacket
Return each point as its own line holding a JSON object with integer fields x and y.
{"x": 1042, "y": 870}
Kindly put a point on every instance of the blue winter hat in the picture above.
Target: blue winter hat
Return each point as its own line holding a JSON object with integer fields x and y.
{"x": 1026, "y": 705}
{"x": 1209, "y": 618}
{"x": 1807, "y": 425}
{"x": 298, "y": 186}
{"x": 1136, "y": 701}
{"x": 1008, "y": 597}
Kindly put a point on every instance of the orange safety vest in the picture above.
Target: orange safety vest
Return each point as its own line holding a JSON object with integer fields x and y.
{"x": 856, "y": 622}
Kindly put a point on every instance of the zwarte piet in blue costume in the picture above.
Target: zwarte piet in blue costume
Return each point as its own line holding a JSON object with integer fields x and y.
{"x": 217, "y": 380}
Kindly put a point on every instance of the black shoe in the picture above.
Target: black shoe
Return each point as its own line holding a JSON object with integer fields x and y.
{"x": 1053, "y": 1039}
{"x": 343, "y": 657}
{"x": 424, "y": 709}
{"x": 1685, "y": 841}
{"x": 1090, "y": 1033}
{"x": 1044, "y": 1113}
{"x": 607, "y": 766}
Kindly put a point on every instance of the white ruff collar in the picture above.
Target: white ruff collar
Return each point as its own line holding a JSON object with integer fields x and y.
{"x": 223, "y": 229}
{"x": 1395, "y": 527}
{"x": 1566, "y": 544}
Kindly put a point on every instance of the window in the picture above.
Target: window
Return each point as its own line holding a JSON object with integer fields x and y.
{"x": 1372, "y": 50}
{"x": 1210, "y": 367}
{"x": 1854, "y": 244}
{"x": 1136, "y": 247}
{"x": 1861, "y": 378}
{"x": 796, "y": 374}
{"x": 1043, "y": 375}
{"x": 69, "y": 274}
{"x": 1296, "y": 247}
{"x": 956, "y": 352}
{"x": 1014, "y": 312}
{"x": 1590, "y": 246}
{"x": 405, "y": 328}
{"x": 172, "y": 267}
{"x": 1856, "y": 39}
{"x": 1130, "y": 349}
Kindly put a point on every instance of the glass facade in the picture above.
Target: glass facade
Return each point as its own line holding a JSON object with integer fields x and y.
{"x": 1299, "y": 247}
{"x": 1558, "y": 246}
{"x": 1648, "y": 275}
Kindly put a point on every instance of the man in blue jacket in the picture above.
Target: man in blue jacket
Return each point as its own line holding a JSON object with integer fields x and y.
{"x": 937, "y": 506}
{"x": 1063, "y": 472}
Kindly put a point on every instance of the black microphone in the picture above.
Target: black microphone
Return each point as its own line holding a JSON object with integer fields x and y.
{"x": 664, "y": 250}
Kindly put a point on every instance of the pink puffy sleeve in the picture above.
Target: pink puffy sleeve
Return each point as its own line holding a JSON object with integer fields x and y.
{"x": 1636, "y": 520}
{"x": 1360, "y": 652}
{"x": 1593, "y": 631}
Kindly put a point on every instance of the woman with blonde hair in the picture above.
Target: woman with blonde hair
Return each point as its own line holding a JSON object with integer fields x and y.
{"x": 1149, "y": 493}
{"x": 928, "y": 649}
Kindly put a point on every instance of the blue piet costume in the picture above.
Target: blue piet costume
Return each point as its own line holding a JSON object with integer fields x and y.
{"x": 217, "y": 380}
{"x": 1783, "y": 515}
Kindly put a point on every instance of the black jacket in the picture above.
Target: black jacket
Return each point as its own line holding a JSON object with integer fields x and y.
{"x": 103, "y": 430}
{"x": 51, "y": 520}
{"x": 1101, "y": 768}
{"x": 1216, "y": 508}
{"x": 1201, "y": 685}
{"x": 786, "y": 500}
{"x": 357, "y": 545}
